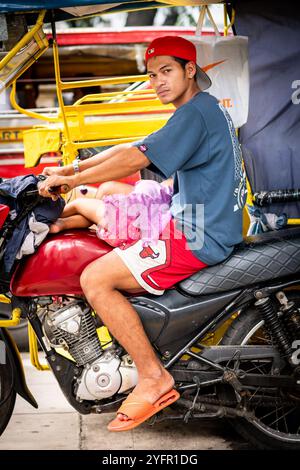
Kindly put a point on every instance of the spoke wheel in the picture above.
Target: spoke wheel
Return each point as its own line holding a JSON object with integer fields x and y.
{"x": 275, "y": 421}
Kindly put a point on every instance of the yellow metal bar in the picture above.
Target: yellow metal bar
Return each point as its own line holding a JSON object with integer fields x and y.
{"x": 226, "y": 25}
{"x": 4, "y": 299}
{"x": 138, "y": 94}
{"x": 106, "y": 142}
{"x": 112, "y": 94}
{"x": 39, "y": 40}
{"x": 24, "y": 40}
{"x": 99, "y": 98}
{"x": 14, "y": 321}
{"x": 116, "y": 109}
{"x": 68, "y": 150}
{"x": 104, "y": 81}
{"x": 33, "y": 350}
{"x": 31, "y": 114}
{"x": 102, "y": 129}
{"x": 293, "y": 221}
{"x": 225, "y": 20}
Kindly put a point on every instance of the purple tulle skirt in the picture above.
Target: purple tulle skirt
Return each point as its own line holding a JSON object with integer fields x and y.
{"x": 142, "y": 214}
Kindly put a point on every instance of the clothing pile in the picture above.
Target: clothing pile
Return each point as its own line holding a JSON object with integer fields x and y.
{"x": 29, "y": 216}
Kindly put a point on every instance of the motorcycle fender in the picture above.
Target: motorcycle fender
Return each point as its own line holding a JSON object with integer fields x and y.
{"x": 12, "y": 352}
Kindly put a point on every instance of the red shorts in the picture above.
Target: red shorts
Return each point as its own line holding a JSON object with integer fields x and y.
{"x": 157, "y": 267}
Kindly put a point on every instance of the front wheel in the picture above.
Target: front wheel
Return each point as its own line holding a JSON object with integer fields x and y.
{"x": 7, "y": 392}
{"x": 276, "y": 413}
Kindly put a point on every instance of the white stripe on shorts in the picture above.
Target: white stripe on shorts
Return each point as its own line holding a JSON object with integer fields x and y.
{"x": 139, "y": 259}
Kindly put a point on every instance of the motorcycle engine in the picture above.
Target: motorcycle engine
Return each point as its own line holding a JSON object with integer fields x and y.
{"x": 104, "y": 373}
{"x": 73, "y": 328}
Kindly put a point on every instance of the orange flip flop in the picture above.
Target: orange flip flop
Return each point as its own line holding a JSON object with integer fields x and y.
{"x": 138, "y": 410}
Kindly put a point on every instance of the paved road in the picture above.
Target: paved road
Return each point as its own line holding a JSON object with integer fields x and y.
{"x": 55, "y": 425}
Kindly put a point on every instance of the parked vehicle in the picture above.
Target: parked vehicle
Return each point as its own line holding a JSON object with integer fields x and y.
{"x": 251, "y": 377}
{"x": 229, "y": 335}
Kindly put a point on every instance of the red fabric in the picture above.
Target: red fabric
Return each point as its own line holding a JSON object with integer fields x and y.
{"x": 171, "y": 46}
{"x": 181, "y": 262}
{"x": 177, "y": 262}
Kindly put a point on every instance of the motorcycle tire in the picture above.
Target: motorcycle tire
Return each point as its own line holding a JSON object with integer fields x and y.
{"x": 248, "y": 328}
{"x": 7, "y": 395}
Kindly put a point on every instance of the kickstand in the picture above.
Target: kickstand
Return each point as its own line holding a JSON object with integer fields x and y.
{"x": 189, "y": 413}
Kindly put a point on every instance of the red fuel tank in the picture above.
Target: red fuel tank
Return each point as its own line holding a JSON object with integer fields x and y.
{"x": 56, "y": 266}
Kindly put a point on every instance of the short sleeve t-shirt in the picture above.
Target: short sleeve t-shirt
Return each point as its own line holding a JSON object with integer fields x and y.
{"x": 199, "y": 147}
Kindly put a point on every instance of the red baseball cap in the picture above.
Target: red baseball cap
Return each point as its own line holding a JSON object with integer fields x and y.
{"x": 177, "y": 46}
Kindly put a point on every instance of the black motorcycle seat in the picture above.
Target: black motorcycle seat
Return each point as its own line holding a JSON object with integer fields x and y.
{"x": 259, "y": 258}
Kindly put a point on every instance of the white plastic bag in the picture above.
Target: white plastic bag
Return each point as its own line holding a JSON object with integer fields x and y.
{"x": 225, "y": 60}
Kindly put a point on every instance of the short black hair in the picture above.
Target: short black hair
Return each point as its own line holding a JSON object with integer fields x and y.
{"x": 183, "y": 63}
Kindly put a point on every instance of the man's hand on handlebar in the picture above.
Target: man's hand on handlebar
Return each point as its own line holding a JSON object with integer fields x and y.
{"x": 55, "y": 170}
{"x": 55, "y": 185}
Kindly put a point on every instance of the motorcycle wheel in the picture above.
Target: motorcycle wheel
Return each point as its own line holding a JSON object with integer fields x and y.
{"x": 275, "y": 426}
{"x": 7, "y": 395}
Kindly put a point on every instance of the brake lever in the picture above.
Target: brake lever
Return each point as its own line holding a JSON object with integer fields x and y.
{"x": 63, "y": 189}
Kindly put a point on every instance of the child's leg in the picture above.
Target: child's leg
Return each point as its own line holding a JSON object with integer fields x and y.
{"x": 79, "y": 213}
{"x": 113, "y": 187}
{"x": 74, "y": 207}
{"x": 74, "y": 221}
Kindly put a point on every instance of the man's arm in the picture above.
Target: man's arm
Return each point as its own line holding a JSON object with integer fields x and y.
{"x": 101, "y": 157}
{"x": 125, "y": 162}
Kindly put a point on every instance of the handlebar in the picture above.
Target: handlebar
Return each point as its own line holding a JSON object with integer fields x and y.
{"x": 63, "y": 189}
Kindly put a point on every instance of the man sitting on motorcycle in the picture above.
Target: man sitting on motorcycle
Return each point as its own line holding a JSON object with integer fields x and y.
{"x": 198, "y": 145}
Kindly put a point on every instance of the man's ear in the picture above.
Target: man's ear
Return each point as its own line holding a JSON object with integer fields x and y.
{"x": 191, "y": 69}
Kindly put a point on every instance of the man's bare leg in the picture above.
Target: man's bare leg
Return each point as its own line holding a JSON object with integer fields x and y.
{"x": 101, "y": 282}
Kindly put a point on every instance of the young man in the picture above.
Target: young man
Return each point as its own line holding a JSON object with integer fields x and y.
{"x": 198, "y": 146}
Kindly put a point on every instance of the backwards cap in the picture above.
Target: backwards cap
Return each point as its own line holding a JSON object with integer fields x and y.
{"x": 177, "y": 46}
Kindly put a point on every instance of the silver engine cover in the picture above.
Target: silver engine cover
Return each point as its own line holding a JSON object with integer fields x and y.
{"x": 73, "y": 328}
{"x": 105, "y": 377}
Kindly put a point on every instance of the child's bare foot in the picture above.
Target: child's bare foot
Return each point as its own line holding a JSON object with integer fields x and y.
{"x": 58, "y": 226}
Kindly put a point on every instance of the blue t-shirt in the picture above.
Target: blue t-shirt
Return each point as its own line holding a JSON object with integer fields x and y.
{"x": 199, "y": 147}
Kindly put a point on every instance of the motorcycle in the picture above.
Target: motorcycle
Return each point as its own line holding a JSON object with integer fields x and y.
{"x": 229, "y": 335}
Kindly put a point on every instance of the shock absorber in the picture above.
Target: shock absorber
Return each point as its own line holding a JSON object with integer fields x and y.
{"x": 290, "y": 315}
{"x": 274, "y": 325}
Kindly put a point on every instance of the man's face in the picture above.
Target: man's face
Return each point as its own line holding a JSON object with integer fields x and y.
{"x": 170, "y": 82}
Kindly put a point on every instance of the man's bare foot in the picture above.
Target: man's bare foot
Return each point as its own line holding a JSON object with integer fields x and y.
{"x": 152, "y": 388}
{"x": 58, "y": 226}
